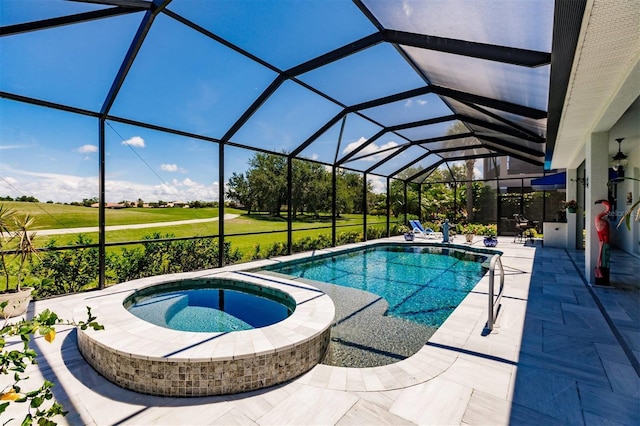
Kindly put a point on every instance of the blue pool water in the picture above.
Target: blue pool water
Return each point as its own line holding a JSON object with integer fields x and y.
{"x": 209, "y": 307}
{"x": 421, "y": 284}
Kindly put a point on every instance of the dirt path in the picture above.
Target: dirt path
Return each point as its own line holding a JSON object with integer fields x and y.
{"x": 134, "y": 226}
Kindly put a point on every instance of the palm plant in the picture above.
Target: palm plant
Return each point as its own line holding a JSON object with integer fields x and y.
{"x": 25, "y": 249}
{"x": 7, "y": 221}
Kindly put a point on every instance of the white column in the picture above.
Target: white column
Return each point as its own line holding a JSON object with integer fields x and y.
{"x": 597, "y": 171}
{"x": 572, "y": 174}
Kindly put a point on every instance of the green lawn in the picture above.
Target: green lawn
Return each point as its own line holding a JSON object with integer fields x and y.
{"x": 48, "y": 217}
{"x": 240, "y": 225}
{"x": 55, "y": 216}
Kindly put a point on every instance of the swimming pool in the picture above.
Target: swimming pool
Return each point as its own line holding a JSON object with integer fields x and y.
{"x": 210, "y": 305}
{"x": 421, "y": 284}
{"x": 389, "y": 298}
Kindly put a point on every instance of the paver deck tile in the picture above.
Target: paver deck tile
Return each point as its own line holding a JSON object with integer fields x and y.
{"x": 553, "y": 359}
{"x": 423, "y": 404}
{"x": 363, "y": 413}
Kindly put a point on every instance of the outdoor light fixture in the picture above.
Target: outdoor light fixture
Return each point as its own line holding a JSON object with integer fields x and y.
{"x": 584, "y": 181}
{"x": 619, "y": 160}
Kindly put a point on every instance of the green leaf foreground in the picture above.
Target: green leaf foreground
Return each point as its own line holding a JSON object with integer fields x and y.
{"x": 17, "y": 361}
{"x": 628, "y": 215}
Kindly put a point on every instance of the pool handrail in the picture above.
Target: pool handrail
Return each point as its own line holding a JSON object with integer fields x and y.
{"x": 494, "y": 306}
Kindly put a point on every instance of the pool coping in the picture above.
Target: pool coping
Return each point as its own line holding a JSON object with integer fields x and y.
{"x": 137, "y": 338}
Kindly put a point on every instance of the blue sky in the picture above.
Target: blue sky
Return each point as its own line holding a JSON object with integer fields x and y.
{"x": 185, "y": 81}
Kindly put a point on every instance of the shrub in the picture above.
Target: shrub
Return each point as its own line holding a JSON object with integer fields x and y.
{"x": 166, "y": 257}
{"x": 433, "y": 225}
{"x": 316, "y": 243}
{"x": 491, "y": 230}
{"x": 373, "y": 233}
{"x": 311, "y": 243}
{"x": 403, "y": 229}
{"x": 277, "y": 249}
{"x": 348, "y": 237}
{"x": 129, "y": 265}
{"x": 256, "y": 252}
{"x": 69, "y": 271}
{"x": 398, "y": 229}
{"x": 65, "y": 271}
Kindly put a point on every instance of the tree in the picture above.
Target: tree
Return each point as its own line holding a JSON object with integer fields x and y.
{"x": 352, "y": 188}
{"x": 87, "y": 202}
{"x": 267, "y": 179}
{"x": 238, "y": 190}
{"x": 311, "y": 188}
{"x": 264, "y": 187}
{"x": 27, "y": 199}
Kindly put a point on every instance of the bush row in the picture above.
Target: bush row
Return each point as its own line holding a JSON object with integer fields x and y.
{"x": 478, "y": 229}
{"x": 70, "y": 271}
{"x": 316, "y": 243}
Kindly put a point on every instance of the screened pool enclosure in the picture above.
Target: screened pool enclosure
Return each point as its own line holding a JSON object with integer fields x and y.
{"x": 364, "y": 107}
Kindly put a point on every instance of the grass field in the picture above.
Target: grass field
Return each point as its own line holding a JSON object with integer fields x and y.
{"x": 55, "y": 216}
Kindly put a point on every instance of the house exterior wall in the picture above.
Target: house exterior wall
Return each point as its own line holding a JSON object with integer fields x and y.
{"x": 628, "y": 240}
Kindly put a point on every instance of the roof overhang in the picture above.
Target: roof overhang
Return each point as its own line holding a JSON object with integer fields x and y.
{"x": 604, "y": 80}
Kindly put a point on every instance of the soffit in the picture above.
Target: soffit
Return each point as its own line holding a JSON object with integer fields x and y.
{"x": 605, "y": 79}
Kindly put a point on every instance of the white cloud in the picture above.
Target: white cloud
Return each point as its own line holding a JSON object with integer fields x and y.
{"x": 85, "y": 149}
{"x": 378, "y": 185}
{"x": 354, "y": 145}
{"x": 12, "y": 147}
{"x": 372, "y": 148}
{"x": 169, "y": 167}
{"x": 136, "y": 141}
{"x": 407, "y": 9}
{"x": 8, "y": 180}
{"x": 189, "y": 182}
{"x": 68, "y": 188}
{"x": 172, "y": 168}
{"x": 410, "y": 102}
{"x": 48, "y": 186}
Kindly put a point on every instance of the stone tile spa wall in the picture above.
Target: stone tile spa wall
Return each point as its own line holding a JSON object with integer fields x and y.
{"x": 150, "y": 359}
{"x": 214, "y": 377}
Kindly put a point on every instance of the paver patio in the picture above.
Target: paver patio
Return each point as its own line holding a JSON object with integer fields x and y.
{"x": 555, "y": 358}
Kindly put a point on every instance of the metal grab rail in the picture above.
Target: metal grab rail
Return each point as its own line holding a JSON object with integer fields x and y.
{"x": 494, "y": 306}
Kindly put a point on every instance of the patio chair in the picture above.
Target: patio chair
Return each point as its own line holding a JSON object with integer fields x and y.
{"x": 522, "y": 228}
{"x": 422, "y": 231}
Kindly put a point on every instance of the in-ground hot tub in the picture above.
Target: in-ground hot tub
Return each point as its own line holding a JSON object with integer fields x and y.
{"x": 205, "y": 305}
{"x": 150, "y": 358}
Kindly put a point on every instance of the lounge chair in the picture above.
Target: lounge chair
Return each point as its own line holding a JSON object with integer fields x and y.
{"x": 422, "y": 231}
